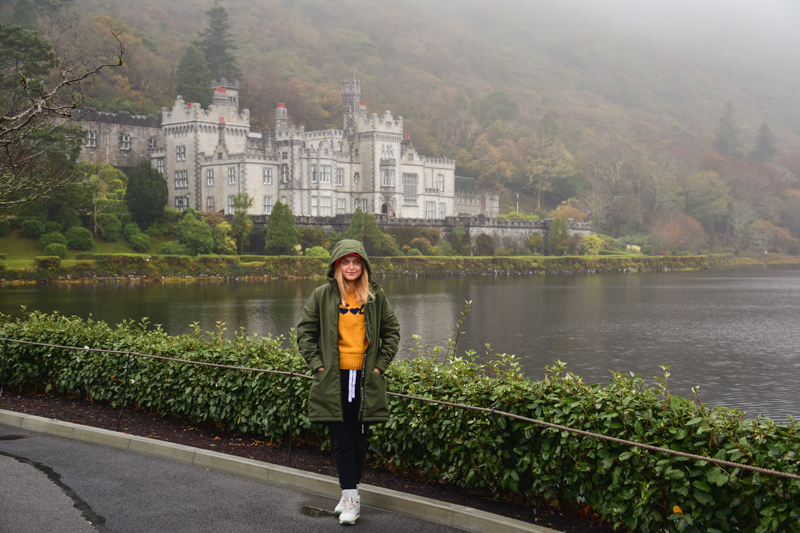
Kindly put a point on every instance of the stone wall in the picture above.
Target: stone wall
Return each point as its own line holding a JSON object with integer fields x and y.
{"x": 507, "y": 234}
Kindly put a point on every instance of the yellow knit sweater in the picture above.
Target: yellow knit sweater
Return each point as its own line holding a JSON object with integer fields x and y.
{"x": 352, "y": 335}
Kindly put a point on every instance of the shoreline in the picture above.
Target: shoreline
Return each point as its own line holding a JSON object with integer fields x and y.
{"x": 129, "y": 268}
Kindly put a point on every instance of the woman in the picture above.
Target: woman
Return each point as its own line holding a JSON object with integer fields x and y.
{"x": 348, "y": 334}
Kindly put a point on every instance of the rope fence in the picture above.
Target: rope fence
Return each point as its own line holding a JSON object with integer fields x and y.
{"x": 490, "y": 411}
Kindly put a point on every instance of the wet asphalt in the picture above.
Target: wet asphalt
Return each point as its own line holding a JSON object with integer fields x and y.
{"x": 50, "y": 484}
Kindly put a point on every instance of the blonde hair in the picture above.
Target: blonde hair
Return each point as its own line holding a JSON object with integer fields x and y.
{"x": 361, "y": 286}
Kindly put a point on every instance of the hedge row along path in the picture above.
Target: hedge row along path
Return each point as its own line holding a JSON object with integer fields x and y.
{"x": 293, "y": 374}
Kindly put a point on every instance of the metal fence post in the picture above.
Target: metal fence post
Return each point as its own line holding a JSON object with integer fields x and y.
{"x": 5, "y": 365}
{"x": 124, "y": 390}
{"x": 291, "y": 431}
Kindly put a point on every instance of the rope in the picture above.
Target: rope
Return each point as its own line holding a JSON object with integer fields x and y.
{"x": 604, "y": 437}
{"x": 292, "y": 374}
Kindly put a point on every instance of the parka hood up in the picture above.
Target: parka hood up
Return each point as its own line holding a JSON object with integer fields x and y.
{"x": 347, "y": 247}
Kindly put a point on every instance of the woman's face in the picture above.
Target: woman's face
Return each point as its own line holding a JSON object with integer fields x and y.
{"x": 351, "y": 266}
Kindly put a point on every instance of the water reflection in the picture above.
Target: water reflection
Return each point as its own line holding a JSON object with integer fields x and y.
{"x": 734, "y": 332}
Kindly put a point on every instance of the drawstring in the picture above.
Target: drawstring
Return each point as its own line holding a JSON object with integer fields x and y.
{"x": 351, "y": 386}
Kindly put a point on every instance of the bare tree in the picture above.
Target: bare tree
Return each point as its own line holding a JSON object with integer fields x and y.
{"x": 39, "y": 95}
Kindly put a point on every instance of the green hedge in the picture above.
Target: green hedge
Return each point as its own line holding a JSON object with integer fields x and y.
{"x": 47, "y": 262}
{"x": 630, "y": 486}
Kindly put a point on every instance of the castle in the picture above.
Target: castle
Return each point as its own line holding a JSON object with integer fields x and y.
{"x": 208, "y": 156}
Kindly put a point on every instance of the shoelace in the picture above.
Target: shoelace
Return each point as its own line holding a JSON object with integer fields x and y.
{"x": 350, "y": 504}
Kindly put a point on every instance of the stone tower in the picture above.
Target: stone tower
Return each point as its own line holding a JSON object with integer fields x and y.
{"x": 225, "y": 93}
{"x": 281, "y": 117}
{"x": 351, "y": 106}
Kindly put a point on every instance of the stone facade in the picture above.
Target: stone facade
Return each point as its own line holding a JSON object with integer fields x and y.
{"x": 210, "y": 155}
{"x": 118, "y": 139}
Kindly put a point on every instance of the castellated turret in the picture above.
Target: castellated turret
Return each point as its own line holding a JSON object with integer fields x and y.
{"x": 351, "y": 97}
{"x": 281, "y": 117}
{"x": 226, "y": 93}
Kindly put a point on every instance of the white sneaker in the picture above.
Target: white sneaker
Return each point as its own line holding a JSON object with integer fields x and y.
{"x": 340, "y": 506}
{"x": 352, "y": 507}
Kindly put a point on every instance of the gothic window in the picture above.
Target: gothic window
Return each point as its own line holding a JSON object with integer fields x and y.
{"x": 356, "y": 177}
{"x": 340, "y": 146}
{"x": 440, "y": 182}
{"x": 387, "y": 177}
{"x": 182, "y": 179}
{"x": 267, "y": 176}
{"x": 442, "y": 209}
{"x": 360, "y": 203}
{"x": 326, "y": 206}
{"x": 161, "y": 165}
{"x": 285, "y": 155}
{"x": 91, "y": 139}
{"x": 430, "y": 209}
{"x": 314, "y": 206}
{"x": 124, "y": 141}
{"x": 285, "y": 200}
{"x": 340, "y": 177}
{"x": 267, "y": 205}
{"x": 341, "y": 206}
{"x": 387, "y": 151}
{"x": 313, "y": 173}
{"x": 230, "y": 204}
{"x": 181, "y": 203}
{"x": 285, "y": 173}
{"x": 152, "y": 142}
{"x": 180, "y": 153}
{"x": 410, "y": 188}
{"x": 210, "y": 177}
{"x": 231, "y": 175}
{"x": 210, "y": 204}
{"x": 326, "y": 174}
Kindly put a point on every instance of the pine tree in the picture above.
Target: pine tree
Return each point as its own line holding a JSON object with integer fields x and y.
{"x": 281, "y": 231}
{"x": 193, "y": 77}
{"x": 727, "y": 141}
{"x": 242, "y": 225}
{"x": 364, "y": 228}
{"x": 24, "y": 15}
{"x": 217, "y": 45}
{"x": 764, "y": 146}
{"x": 147, "y": 194}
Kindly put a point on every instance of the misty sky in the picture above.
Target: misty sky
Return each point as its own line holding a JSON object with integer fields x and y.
{"x": 746, "y": 30}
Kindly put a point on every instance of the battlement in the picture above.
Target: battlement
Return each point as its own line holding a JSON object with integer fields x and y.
{"x": 384, "y": 123}
{"x": 223, "y": 83}
{"x": 442, "y": 161}
{"x": 351, "y": 87}
{"x": 88, "y": 114}
{"x": 187, "y": 111}
{"x": 290, "y": 133}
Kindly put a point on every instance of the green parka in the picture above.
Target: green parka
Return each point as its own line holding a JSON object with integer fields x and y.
{"x": 318, "y": 340}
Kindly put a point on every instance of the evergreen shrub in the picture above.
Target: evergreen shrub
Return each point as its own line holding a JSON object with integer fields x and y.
{"x": 139, "y": 241}
{"x": 413, "y": 252}
{"x": 5, "y": 227}
{"x": 80, "y": 238}
{"x": 53, "y": 227}
{"x": 110, "y": 227}
{"x": 33, "y": 228}
{"x": 318, "y": 251}
{"x": 68, "y": 217}
{"x": 52, "y": 238}
{"x": 55, "y": 249}
{"x": 173, "y": 248}
{"x": 643, "y": 490}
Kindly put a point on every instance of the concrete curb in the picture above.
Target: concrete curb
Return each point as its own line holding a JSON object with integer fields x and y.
{"x": 457, "y": 516}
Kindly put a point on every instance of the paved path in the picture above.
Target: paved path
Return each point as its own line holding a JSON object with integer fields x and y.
{"x": 55, "y": 484}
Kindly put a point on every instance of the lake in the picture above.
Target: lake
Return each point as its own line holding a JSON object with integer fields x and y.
{"x": 732, "y": 332}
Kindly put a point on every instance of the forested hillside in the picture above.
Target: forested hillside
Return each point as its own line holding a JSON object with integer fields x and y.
{"x": 562, "y": 102}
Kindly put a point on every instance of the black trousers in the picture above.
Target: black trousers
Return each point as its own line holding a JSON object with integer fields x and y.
{"x": 348, "y": 439}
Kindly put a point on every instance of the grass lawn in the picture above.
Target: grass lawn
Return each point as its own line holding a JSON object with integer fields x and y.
{"x": 20, "y": 251}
